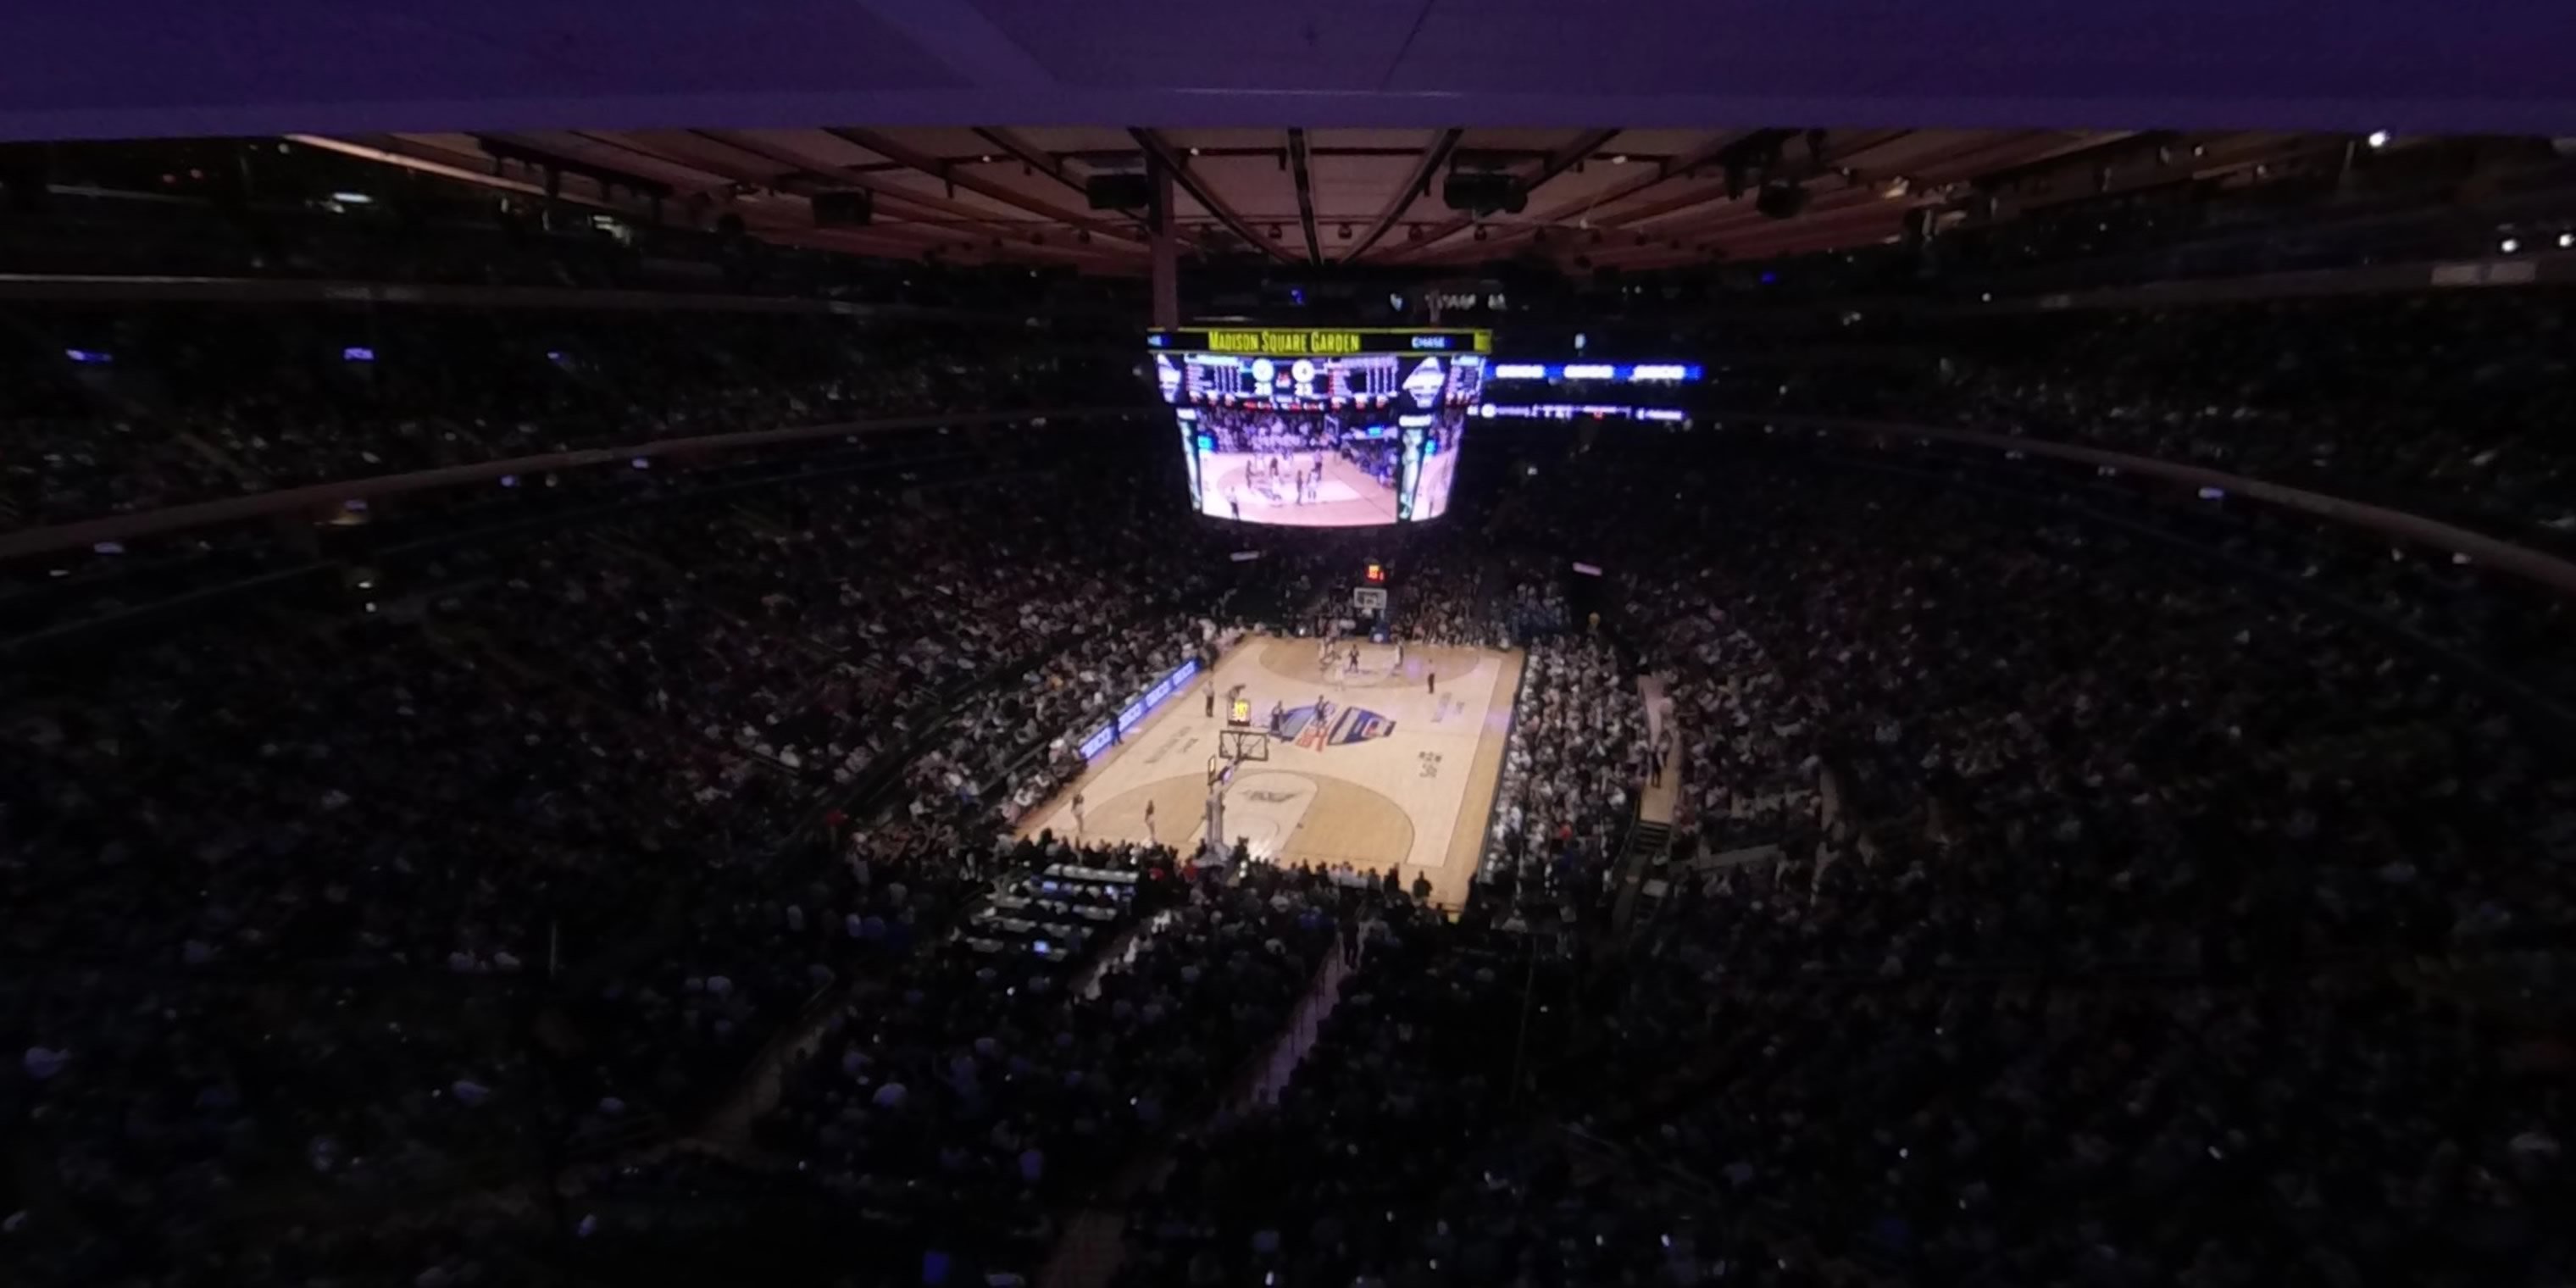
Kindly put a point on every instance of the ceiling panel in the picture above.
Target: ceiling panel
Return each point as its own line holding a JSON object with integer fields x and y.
{"x": 1516, "y": 139}
{"x": 1412, "y": 140}
{"x": 1078, "y": 138}
{"x": 916, "y": 184}
{"x": 816, "y": 148}
{"x": 1263, "y": 138}
{"x": 714, "y": 155}
{"x": 1585, "y": 184}
{"x": 1657, "y": 143}
{"x": 1931, "y": 92}
{"x": 1256, "y": 187}
{"x": 1598, "y": 209}
{"x": 1357, "y": 187}
{"x": 951, "y": 144}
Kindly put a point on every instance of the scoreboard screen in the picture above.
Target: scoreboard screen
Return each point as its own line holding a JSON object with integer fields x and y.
{"x": 1321, "y": 429}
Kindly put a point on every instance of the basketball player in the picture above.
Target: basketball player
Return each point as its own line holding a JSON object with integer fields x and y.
{"x": 1353, "y": 666}
{"x": 1150, "y": 838}
{"x": 1431, "y": 683}
{"x": 1077, "y": 816}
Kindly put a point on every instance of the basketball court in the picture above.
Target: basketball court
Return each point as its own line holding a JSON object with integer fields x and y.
{"x": 1368, "y": 768}
{"x": 1344, "y": 497}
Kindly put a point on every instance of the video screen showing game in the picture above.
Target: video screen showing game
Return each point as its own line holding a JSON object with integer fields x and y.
{"x": 1336, "y": 440}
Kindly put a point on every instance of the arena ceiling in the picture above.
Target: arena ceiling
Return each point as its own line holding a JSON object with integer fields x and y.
{"x": 1290, "y": 119}
{"x": 1589, "y": 197}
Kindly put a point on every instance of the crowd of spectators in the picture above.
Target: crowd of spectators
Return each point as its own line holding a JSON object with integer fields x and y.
{"x": 2328, "y": 1130}
{"x": 1459, "y": 595}
{"x": 125, "y": 412}
{"x": 2134, "y": 732}
{"x": 2041, "y": 909}
{"x": 867, "y": 639}
{"x": 1754, "y": 770}
{"x": 540, "y": 856}
{"x": 1577, "y": 757}
{"x": 2430, "y": 402}
{"x": 1349, "y": 1176}
{"x": 2441, "y": 404}
{"x": 2186, "y": 826}
{"x": 276, "y": 906}
{"x": 2331, "y": 1131}
{"x": 960, "y": 1104}
{"x": 2078, "y": 950}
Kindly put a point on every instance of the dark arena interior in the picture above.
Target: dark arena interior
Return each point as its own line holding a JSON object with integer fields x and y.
{"x": 1319, "y": 645}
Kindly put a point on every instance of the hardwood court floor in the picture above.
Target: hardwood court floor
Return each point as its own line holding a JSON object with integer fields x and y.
{"x": 1346, "y": 497}
{"x": 1396, "y": 776}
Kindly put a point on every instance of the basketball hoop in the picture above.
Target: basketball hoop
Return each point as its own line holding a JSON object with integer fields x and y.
{"x": 1235, "y": 746}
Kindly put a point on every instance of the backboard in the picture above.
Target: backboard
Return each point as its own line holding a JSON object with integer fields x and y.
{"x": 1239, "y": 745}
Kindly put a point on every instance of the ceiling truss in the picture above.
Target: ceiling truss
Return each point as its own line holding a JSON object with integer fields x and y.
{"x": 1591, "y": 198}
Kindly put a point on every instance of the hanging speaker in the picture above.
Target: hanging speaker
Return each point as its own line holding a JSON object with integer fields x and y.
{"x": 1780, "y": 199}
{"x": 843, "y": 209}
{"x": 1483, "y": 194}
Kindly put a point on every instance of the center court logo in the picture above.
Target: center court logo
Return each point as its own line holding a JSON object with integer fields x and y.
{"x": 1356, "y": 725}
{"x": 1296, "y": 721}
